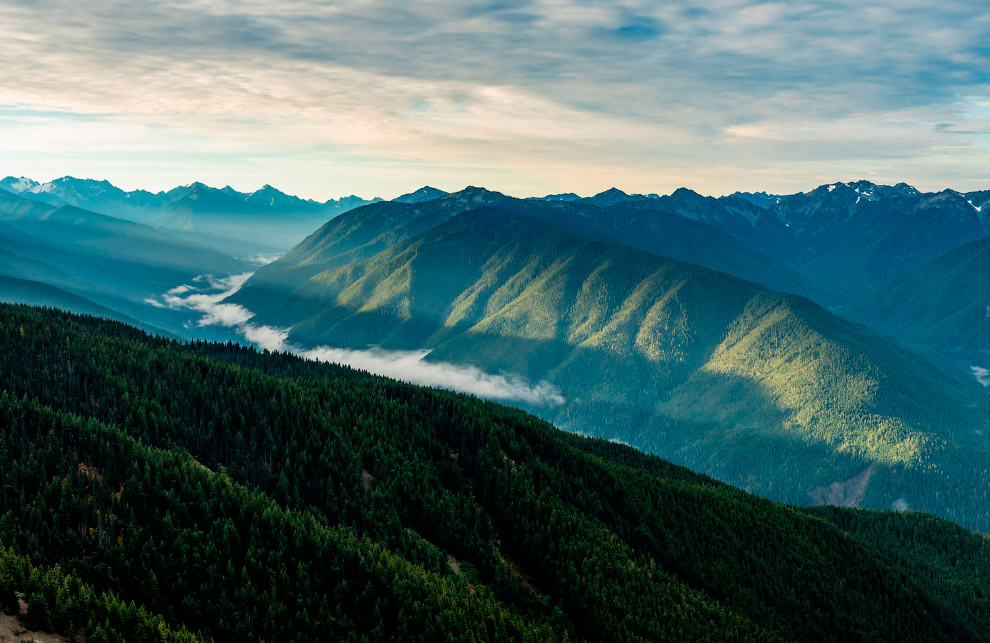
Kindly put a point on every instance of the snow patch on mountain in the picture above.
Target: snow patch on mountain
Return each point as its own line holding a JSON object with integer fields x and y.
{"x": 981, "y": 374}
{"x": 19, "y": 185}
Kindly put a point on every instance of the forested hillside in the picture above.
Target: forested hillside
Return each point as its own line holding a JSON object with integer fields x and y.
{"x": 259, "y": 496}
{"x": 765, "y": 390}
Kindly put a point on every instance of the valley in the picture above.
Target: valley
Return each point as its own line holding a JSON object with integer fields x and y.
{"x": 373, "y": 321}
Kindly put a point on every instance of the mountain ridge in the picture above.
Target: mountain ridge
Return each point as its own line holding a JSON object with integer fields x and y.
{"x": 670, "y": 344}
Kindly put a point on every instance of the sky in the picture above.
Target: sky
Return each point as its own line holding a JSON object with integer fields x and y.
{"x": 379, "y": 97}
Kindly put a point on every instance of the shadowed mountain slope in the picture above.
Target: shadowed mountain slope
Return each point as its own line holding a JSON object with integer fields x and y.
{"x": 942, "y": 305}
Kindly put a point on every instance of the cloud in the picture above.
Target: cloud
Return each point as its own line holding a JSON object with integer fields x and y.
{"x": 207, "y": 299}
{"x": 266, "y": 337}
{"x": 264, "y": 258}
{"x": 410, "y": 366}
{"x": 528, "y": 96}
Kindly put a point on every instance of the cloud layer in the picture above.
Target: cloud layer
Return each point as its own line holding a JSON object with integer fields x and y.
{"x": 206, "y": 294}
{"x": 377, "y": 96}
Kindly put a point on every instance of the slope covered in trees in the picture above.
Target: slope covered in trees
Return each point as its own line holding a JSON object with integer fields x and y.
{"x": 247, "y": 495}
{"x": 762, "y": 389}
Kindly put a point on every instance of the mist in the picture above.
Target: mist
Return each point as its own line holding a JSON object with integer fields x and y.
{"x": 409, "y": 366}
{"x": 206, "y": 296}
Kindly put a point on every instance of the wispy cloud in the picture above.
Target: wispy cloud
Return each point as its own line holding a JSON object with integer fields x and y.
{"x": 263, "y": 258}
{"x": 410, "y": 366}
{"x": 206, "y": 297}
{"x": 526, "y": 96}
{"x": 981, "y": 374}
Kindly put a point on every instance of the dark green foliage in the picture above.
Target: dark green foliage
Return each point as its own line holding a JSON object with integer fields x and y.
{"x": 944, "y": 558}
{"x": 61, "y": 603}
{"x": 250, "y": 496}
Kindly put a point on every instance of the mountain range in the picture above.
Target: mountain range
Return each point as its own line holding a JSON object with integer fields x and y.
{"x": 110, "y": 263}
{"x": 820, "y": 348}
{"x": 265, "y": 221}
{"x": 695, "y": 313}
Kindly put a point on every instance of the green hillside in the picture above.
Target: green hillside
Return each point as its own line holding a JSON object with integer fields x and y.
{"x": 62, "y": 604}
{"x": 767, "y": 391}
{"x": 258, "y": 496}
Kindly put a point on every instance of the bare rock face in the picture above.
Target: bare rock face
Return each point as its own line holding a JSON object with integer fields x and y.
{"x": 844, "y": 494}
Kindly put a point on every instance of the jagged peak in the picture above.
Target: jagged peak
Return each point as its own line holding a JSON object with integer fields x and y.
{"x": 687, "y": 193}
{"x": 423, "y": 194}
{"x": 473, "y": 191}
{"x": 612, "y": 191}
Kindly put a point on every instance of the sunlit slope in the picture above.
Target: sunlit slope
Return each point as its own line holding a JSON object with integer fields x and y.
{"x": 766, "y": 390}
{"x": 281, "y": 293}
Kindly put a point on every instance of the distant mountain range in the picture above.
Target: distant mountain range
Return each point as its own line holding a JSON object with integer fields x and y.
{"x": 838, "y": 240}
{"x": 265, "y": 221}
{"x": 108, "y": 262}
{"x": 99, "y": 195}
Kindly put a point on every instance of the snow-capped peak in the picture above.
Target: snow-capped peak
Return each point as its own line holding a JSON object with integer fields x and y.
{"x": 19, "y": 184}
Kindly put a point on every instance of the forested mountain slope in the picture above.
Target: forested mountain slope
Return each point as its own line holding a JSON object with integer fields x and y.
{"x": 251, "y": 496}
{"x": 765, "y": 390}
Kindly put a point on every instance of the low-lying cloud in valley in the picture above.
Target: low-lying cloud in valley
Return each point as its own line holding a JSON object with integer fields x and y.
{"x": 206, "y": 296}
{"x": 410, "y": 366}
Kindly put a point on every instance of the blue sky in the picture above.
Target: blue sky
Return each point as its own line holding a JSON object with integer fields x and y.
{"x": 528, "y": 97}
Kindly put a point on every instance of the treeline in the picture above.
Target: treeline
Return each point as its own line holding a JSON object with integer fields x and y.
{"x": 254, "y": 496}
